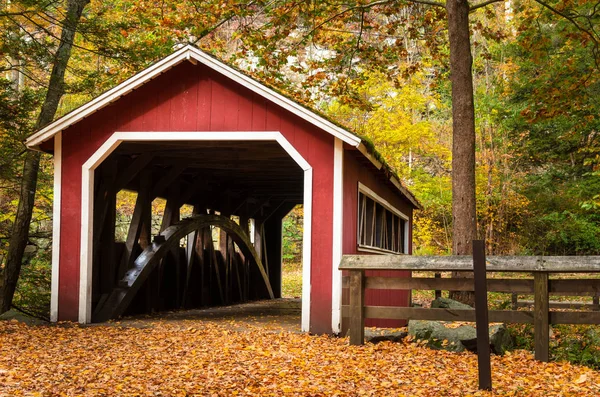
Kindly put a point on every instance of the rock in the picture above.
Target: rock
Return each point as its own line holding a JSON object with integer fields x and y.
{"x": 465, "y": 333}
{"x": 500, "y": 339}
{"x": 445, "y": 303}
{"x": 459, "y": 338}
{"x": 384, "y": 335}
{"x": 436, "y": 333}
{"x": 470, "y": 344}
{"x": 16, "y": 316}
{"x": 30, "y": 251}
{"x": 421, "y": 329}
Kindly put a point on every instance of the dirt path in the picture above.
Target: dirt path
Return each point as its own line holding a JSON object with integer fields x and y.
{"x": 276, "y": 315}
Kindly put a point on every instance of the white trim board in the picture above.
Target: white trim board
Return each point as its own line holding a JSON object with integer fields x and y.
{"x": 370, "y": 193}
{"x": 87, "y": 202}
{"x": 306, "y": 249}
{"x": 188, "y": 53}
{"x": 56, "y": 227}
{"x": 338, "y": 233}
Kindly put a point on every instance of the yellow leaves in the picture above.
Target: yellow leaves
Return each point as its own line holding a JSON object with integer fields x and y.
{"x": 581, "y": 379}
{"x": 205, "y": 358}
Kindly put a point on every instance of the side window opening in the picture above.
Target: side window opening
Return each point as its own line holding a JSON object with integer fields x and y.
{"x": 381, "y": 227}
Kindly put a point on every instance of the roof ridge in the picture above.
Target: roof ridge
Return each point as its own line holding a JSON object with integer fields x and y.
{"x": 190, "y": 52}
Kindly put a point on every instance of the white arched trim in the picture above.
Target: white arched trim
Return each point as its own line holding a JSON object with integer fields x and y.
{"x": 87, "y": 202}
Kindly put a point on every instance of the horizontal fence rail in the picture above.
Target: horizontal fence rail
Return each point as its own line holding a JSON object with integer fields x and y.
{"x": 573, "y": 287}
{"x": 460, "y": 263}
{"x": 540, "y": 286}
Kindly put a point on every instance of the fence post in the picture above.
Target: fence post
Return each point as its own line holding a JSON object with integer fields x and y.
{"x": 481, "y": 316}
{"x": 357, "y": 311}
{"x": 540, "y": 316}
{"x": 438, "y": 293}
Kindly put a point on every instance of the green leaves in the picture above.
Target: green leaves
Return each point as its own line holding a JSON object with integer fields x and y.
{"x": 552, "y": 103}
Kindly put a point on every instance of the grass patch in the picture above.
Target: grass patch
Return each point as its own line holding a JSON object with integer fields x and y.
{"x": 577, "y": 344}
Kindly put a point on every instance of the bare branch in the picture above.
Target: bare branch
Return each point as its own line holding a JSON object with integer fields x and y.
{"x": 49, "y": 33}
{"x": 568, "y": 18}
{"x": 577, "y": 25}
{"x": 362, "y": 8}
{"x": 481, "y": 5}
{"x": 31, "y": 77}
{"x": 429, "y": 3}
{"x": 16, "y": 13}
{"x": 31, "y": 35}
{"x": 223, "y": 21}
{"x": 358, "y": 42}
{"x": 28, "y": 11}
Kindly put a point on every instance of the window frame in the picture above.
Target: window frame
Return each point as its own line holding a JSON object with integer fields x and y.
{"x": 377, "y": 199}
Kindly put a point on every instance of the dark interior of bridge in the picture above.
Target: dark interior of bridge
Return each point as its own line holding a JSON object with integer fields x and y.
{"x": 255, "y": 183}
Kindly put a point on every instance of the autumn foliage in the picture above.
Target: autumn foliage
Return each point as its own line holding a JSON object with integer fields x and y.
{"x": 188, "y": 358}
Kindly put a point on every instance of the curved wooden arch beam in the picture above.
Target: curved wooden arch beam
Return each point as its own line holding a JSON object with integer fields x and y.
{"x": 122, "y": 295}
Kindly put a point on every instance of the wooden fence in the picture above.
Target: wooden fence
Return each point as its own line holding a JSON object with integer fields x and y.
{"x": 541, "y": 286}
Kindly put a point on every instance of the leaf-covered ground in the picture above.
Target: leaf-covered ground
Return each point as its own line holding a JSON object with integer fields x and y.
{"x": 209, "y": 358}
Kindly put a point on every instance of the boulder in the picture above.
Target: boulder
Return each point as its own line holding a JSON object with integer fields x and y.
{"x": 500, "y": 339}
{"x": 384, "y": 335}
{"x": 446, "y": 303}
{"x": 438, "y": 336}
{"x": 15, "y": 315}
{"x": 458, "y": 338}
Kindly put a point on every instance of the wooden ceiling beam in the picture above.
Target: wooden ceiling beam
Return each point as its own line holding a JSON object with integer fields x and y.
{"x": 167, "y": 179}
{"x": 133, "y": 169}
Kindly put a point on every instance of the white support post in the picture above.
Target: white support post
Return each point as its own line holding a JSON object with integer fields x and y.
{"x": 338, "y": 220}
{"x": 306, "y": 250}
{"x": 56, "y": 227}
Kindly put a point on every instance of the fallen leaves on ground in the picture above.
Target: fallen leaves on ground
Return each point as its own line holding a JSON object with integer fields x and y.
{"x": 203, "y": 358}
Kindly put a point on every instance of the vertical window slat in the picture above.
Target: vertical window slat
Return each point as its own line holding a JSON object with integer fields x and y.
{"x": 379, "y": 227}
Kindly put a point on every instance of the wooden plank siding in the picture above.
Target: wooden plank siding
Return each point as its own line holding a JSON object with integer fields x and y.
{"x": 194, "y": 98}
{"x": 360, "y": 170}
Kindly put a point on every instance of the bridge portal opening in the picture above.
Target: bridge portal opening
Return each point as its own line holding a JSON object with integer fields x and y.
{"x": 181, "y": 225}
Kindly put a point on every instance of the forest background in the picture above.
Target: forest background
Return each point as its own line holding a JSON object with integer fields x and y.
{"x": 380, "y": 69}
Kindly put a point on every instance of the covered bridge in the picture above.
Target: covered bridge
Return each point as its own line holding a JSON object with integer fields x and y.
{"x": 195, "y": 131}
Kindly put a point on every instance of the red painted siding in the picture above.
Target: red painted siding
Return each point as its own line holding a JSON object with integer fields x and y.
{"x": 194, "y": 98}
{"x": 355, "y": 172}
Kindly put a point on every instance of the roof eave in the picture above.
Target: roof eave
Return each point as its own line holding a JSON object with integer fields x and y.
{"x": 395, "y": 181}
{"x": 193, "y": 55}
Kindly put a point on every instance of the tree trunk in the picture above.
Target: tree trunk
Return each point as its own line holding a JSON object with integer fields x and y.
{"x": 464, "y": 226}
{"x": 20, "y": 232}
